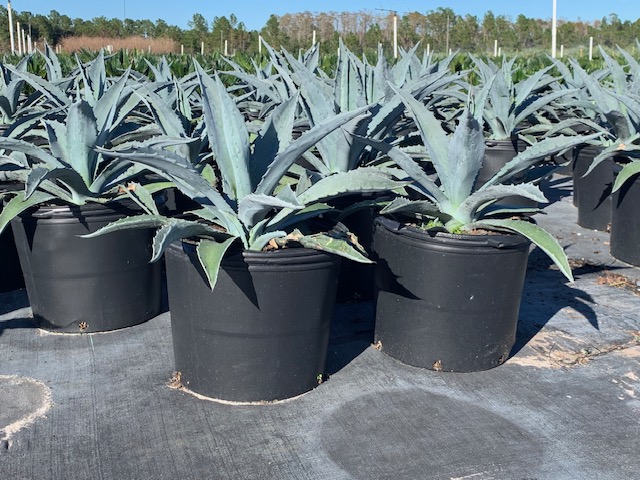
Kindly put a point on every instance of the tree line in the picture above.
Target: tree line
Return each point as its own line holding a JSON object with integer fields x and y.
{"x": 439, "y": 30}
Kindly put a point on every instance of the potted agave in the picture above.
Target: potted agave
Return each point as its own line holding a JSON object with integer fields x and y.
{"x": 508, "y": 108}
{"x": 69, "y": 189}
{"x": 252, "y": 273}
{"x": 12, "y": 105}
{"x": 625, "y": 199}
{"x": 451, "y": 266}
{"x": 618, "y": 110}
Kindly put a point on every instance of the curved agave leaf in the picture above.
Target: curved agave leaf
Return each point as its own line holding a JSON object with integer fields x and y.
{"x": 433, "y": 136}
{"x": 340, "y": 246}
{"x": 427, "y": 186}
{"x": 616, "y": 71}
{"x": 629, "y": 170}
{"x": 177, "y": 168}
{"x": 142, "y": 196}
{"x": 523, "y": 110}
{"x": 210, "y": 253}
{"x": 606, "y": 104}
{"x": 169, "y": 230}
{"x": 287, "y": 217}
{"x": 110, "y": 102}
{"x": 74, "y": 142}
{"x": 541, "y": 238}
{"x": 31, "y": 150}
{"x": 260, "y": 241}
{"x": 618, "y": 148}
{"x": 19, "y": 203}
{"x": 52, "y": 64}
{"x": 466, "y": 148}
{"x": 228, "y": 135}
{"x": 360, "y": 180}
{"x": 288, "y": 157}
{"x": 534, "y": 153}
{"x": 46, "y": 88}
{"x": 165, "y": 117}
{"x": 70, "y": 178}
{"x": 254, "y": 207}
{"x": 404, "y": 205}
{"x": 273, "y": 138}
{"x": 472, "y": 210}
{"x": 532, "y": 84}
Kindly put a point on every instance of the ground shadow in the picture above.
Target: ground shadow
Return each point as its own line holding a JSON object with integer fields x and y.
{"x": 16, "y": 324}
{"x": 352, "y": 329}
{"x": 14, "y": 300}
{"x": 557, "y": 188}
{"x": 546, "y": 292}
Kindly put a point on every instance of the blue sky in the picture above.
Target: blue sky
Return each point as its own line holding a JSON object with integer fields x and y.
{"x": 255, "y": 13}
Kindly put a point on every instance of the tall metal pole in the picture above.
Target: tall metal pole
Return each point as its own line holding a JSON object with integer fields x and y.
{"x": 19, "y": 41}
{"x": 13, "y": 43}
{"x": 554, "y": 29}
{"x": 395, "y": 35}
{"x": 447, "y": 49}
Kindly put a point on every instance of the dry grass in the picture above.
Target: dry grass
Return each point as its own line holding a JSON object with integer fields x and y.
{"x": 152, "y": 45}
{"x": 619, "y": 281}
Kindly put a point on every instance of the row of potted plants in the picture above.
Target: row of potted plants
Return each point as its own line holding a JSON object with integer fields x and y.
{"x": 248, "y": 192}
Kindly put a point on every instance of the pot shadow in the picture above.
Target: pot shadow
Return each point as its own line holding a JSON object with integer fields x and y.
{"x": 546, "y": 292}
{"x": 234, "y": 268}
{"x": 352, "y": 327}
{"x": 387, "y": 281}
{"x": 16, "y": 324}
{"x": 14, "y": 300}
{"x": 557, "y": 188}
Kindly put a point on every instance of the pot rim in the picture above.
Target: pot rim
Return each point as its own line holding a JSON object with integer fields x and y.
{"x": 499, "y": 240}
{"x": 61, "y": 211}
{"x": 237, "y": 256}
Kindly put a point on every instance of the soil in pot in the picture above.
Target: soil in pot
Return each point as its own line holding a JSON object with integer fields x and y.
{"x": 262, "y": 333}
{"x": 447, "y": 302}
{"x": 592, "y": 193}
{"x": 625, "y": 224}
{"x": 80, "y": 285}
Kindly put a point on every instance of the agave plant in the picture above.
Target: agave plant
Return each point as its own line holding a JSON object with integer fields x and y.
{"x": 619, "y": 106}
{"x": 248, "y": 203}
{"x": 12, "y": 101}
{"x": 510, "y": 104}
{"x": 68, "y": 168}
{"x": 450, "y": 202}
{"x": 356, "y": 85}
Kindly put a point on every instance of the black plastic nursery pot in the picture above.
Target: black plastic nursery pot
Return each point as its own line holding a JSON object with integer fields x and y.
{"x": 262, "y": 333}
{"x": 593, "y": 192}
{"x": 497, "y": 154}
{"x": 10, "y": 272}
{"x": 625, "y": 222}
{"x": 85, "y": 285}
{"x": 447, "y": 302}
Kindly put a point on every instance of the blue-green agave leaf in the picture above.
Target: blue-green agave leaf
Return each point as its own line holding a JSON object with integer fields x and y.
{"x": 629, "y": 170}
{"x": 228, "y": 135}
{"x": 360, "y": 180}
{"x": 210, "y": 253}
{"x": 19, "y": 203}
{"x": 541, "y": 238}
